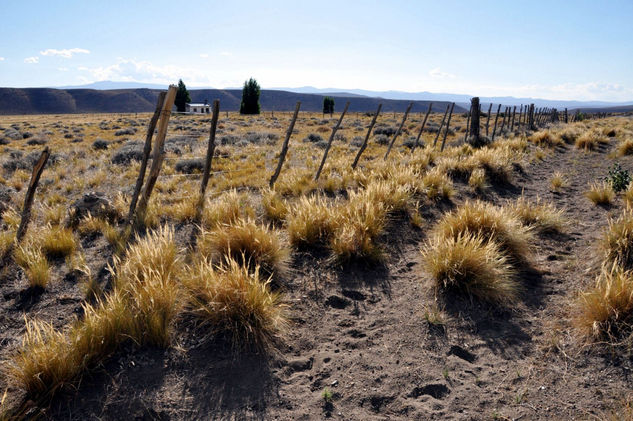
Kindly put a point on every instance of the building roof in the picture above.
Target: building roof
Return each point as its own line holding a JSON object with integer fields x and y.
{"x": 198, "y": 104}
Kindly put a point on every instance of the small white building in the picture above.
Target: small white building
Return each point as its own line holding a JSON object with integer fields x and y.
{"x": 198, "y": 108}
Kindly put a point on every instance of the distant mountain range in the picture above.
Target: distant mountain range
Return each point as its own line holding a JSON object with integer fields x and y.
{"x": 63, "y": 101}
{"x": 108, "y": 96}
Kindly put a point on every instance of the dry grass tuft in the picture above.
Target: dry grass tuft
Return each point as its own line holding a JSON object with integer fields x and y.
{"x": 248, "y": 243}
{"x": 606, "y": 309}
{"x": 232, "y": 300}
{"x": 558, "y": 181}
{"x": 472, "y": 265}
{"x": 226, "y": 209}
{"x": 600, "y": 194}
{"x": 540, "y": 216}
{"x": 489, "y": 222}
{"x": 275, "y": 207}
{"x": 617, "y": 242}
{"x": 437, "y": 184}
{"x": 546, "y": 138}
{"x": 590, "y": 140}
{"x": 58, "y": 242}
{"x": 477, "y": 180}
{"x": 309, "y": 221}
{"x": 626, "y": 147}
{"x": 30, "y": 258}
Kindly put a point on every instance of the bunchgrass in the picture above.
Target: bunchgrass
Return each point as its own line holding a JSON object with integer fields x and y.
{"x": 543, "y": 217}
{"x": 600, "y": 193}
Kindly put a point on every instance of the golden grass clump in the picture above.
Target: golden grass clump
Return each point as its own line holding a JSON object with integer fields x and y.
{"x": 491, "y": 223}
{"x": 626, "y": 147}
{"x": 356, "y": 227}
{"x": 309, "y": 221}
{"x": 248, "y": 243}
{"x": 600, "y": 193}
{"x": 473, "y": 265}
{"x": 535, "y": 214}
{"x": 569, "y": 134}
{"x": 606, "y": 309}
{"x": 392, "y": 195}
{"x": 558, "y": 181}
{"x": 141, "y": 307}
{"x": 477, "y": 180}
{"x": 36, "y": 268}
{"x": 546, "y": 138}
{"x": 226, "y": 209}
{"x": 275, "y": 207}
{"x": 232, "y": 300}
{"x": 590, "y": 140}
{"x": 437, "y": 185}
{"x": 617, "y": 242}
{"x": 58, "y": 241}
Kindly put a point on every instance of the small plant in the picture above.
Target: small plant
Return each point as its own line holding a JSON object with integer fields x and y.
{"x": 326, "y": 395}
{"x": 58, "y": 242}
{"x": 617, "y": 242}
{"x": 538, "y": 215}
{"x": 618, "y": 178}
{"x": 34, "y": 263}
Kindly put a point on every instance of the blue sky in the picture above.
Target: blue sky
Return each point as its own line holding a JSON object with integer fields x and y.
{"x": 549, "y": 49}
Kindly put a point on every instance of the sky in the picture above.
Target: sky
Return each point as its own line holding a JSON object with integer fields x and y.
{"x": 566, "y": 50}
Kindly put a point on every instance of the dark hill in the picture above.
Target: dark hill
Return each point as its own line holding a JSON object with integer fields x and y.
{"x": 64, "y": 101}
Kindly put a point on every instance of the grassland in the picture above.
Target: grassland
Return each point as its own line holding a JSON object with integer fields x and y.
{"x": 457, "y": 284}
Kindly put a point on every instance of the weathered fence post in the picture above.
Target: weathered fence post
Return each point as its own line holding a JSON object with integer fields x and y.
{"x": 158, "y": 154}
{"x": 426, "y": 116}
{"x": 467, "y": 124}
{"x": 488, "y": 119}
{"x": 439, "y": 130}
{"x": 329, "y": 142}
{"x": 474, "y": 121}
{"x": 30, "y": 194}
{"x": 531, "y": 118}
{"x": 364, "y": 145}
{"x": 395, "y": 136}
{"x": 448, "y": 124}
{"x": 146, "y": 151}
{"x": 207, "y": 163}
{"x": 494, "y": 130}
{"x": 284, "y": 148}
{"x": 514, "y": 111}
{"x": 519, "y": 118}
{"x": 566, "y": 118}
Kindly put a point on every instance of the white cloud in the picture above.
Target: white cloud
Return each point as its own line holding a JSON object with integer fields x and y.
{"x": 438, "y": 74}
{"x": 65, "y": 53}
{"x": 131, "y": 70}
{"x": 62, "y": 69}
{"x": 1, "y": 58}
{"x": 204, "y": 55}
{"x": 32, "y": 60}
{"x": 225, "y": 54}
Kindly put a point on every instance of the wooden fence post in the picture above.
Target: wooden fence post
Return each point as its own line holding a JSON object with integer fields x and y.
{"x": 566, "y": 119}
{"x": 439, "y": 130}
{"x": 30, "y": 194}
{"x": 470, "y": 110}
{"x": 474, "y": 121}
{"x": 488, "y": 119}
{"x": 284, "y": 148}
{"x": 494, "y": 130}
{"x": 531, "y": 118}
{"x": 395, "y": 136}
{"x": 329, "y": 142}
{"x": 364, "y": 145}
{"x": 207, "y": 163}
{"x": 417, "y": 139}
{"x": 158, "y": 154}
{"x": 146, "y": 151}
{"x": 519, "y": 119}
{"x": 448, "y": 124}
{"x": 514, "y": 111}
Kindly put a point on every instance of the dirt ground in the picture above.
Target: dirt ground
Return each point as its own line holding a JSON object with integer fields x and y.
{"x": 367, "y": 334}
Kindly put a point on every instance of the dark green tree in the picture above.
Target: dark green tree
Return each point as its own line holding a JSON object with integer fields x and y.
{"x": 250, "y": 98}
{"x": 182, "y": 97}
{"x": 328, "y": 105}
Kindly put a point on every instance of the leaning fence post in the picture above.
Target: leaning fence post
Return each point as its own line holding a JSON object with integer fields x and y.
{"x": 146, "y": 151}
{"x": 404, "y": 118}
{"x": 426, "y": 116}
{"x": 448, "y": 124}
{"x": 207, "y": 163}
{"x": 488, "y": 119}
{"x": 329, "y": 142}
{"x": 364, "y": 145}
{"x": 284, "y": 148}
{"x": 30, "y": 194}
{"x": 467, "y": 123}
{"x": 159, "y": 154}
{"x": 494, "y": 130}
{"x": 439, "y": 130}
